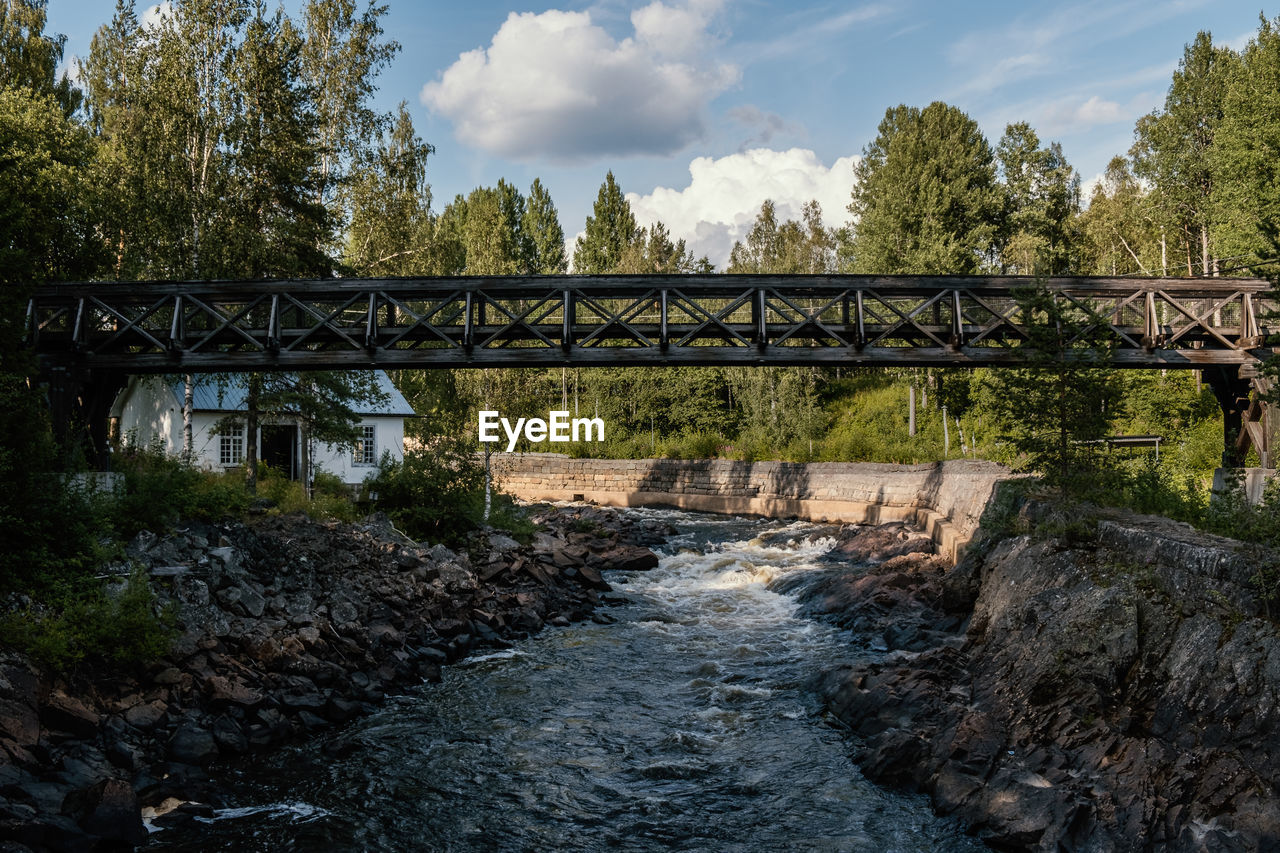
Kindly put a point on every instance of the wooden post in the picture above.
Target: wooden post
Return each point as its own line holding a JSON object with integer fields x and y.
{"x": 911, "y": 411}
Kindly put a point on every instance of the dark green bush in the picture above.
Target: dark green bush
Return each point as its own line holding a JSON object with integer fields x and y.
{"x": 160, "y": 489}
{"x": 435, "y": 494}
{"x": 115, "y": 624}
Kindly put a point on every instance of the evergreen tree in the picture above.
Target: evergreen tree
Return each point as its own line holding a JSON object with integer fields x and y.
{"x": 653, "y": 253}
{"x": 610, "y": 230}
{"x": 541, "y": 226}
{"x": 270, "y": 221}
{"x": 448, "y": 243}
{"x": 925, "y": 200}
{"x": 492, "y": 247}
{"x": 785, "y": 248}
{"x": 1055, "y": 412}
{"x": 1043, "y": 196}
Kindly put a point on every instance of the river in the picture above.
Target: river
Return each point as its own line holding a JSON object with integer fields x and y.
{"x": 683, "y": 725}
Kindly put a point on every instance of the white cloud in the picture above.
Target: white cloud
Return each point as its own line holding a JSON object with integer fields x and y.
{"x": 1072, "y": 114}
{"x": 724, "y": 195}
{"x": 555, "y": 85}
{"x": 674, "y": 30}
{"x": 1088, "y": 186}
{"x": 153, "y": 15}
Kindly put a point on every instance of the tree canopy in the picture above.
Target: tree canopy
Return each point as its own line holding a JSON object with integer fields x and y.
{"x": 925, "y": 197}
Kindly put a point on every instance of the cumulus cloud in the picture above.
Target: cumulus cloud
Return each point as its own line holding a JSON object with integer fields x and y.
{"x": 153, "y": 15}
{"x": 555, "y": 85}
{"x": 724, "y": 195}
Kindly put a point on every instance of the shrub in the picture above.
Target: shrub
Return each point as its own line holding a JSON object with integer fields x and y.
{"x": 160, "y": 489}
{"x": 435, "y": 493}
{"x": 115, "y": 624}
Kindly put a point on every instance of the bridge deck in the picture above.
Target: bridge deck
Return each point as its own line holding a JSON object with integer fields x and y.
{"x": 957, "y": 321}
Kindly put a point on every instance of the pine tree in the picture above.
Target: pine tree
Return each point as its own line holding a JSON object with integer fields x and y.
{"x": 1055, "y": 412}
{"x": 542, "y": 227}
{"x": 610, "y": 230}
{"x": 785, "y": 248}
{"x": 271, "y": 222}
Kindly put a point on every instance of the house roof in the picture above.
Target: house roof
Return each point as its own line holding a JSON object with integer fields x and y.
{"x": 228, "y": 395}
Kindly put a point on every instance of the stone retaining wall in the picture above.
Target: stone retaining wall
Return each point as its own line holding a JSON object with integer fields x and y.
{"x": 945, "y": 499}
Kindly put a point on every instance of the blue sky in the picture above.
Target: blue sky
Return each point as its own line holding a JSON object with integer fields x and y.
{"x": 702, "y": 108}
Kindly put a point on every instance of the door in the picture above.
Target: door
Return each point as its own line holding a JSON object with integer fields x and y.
{"x": 280, "y": 448}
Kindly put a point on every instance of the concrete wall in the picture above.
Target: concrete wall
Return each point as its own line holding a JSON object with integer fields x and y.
{"x": 946, "y": 499}
{"x": 1253, "y": 480}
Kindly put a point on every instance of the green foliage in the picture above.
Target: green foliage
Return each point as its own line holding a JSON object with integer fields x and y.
{"x": 1042, "y": 198}
{"x": 653, "y": 253}
{"x": 117, "y": 623}
{"x": 331, "y": 498}
{"x": 435, "y": 494}
{"x": 1056, "y": 413}
{"x": 29, "y": 56}
{"x": 1174, "y": 147}
{"x": 541, "y": 225}
{"x": 610, "y": 230}
{"x": 390, "y": 204}
{"x": 161, "y": 489}
{"x": 1246, "y": 150}
{"x": 1118, "y": 233}
{"x": 926, "y": 198}
{"x": 789, "y": 247}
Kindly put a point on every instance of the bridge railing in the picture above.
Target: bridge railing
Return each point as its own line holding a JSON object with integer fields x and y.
{"x": 143, "y": 327}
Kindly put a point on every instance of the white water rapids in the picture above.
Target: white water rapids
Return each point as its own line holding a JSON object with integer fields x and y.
{"x": 685, "y": 725}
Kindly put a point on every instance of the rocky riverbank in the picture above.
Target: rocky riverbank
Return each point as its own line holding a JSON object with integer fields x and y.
{"x": 288, "y": 629}
{"x": 1114, "y": 687}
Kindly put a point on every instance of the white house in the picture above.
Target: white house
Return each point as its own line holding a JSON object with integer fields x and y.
{"x": 150, "y": 409}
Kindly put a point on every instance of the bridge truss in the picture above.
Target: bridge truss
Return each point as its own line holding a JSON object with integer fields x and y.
{"x": 108, "y": 329}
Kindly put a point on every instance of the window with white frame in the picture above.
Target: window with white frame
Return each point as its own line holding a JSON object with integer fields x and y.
{"x": 366, "y": 448}
{"x": 231, "y": 445}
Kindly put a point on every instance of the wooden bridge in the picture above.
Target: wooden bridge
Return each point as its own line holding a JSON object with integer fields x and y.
{"x": 89, "y": 334}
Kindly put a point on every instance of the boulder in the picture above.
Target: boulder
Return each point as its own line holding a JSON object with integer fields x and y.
{"x": 111, "y": 812}
{"x": 19, "y": 700}
{"x": 68, "y": 714}
{"x": 191, "y": 744}
{"x": 629, "y": 558}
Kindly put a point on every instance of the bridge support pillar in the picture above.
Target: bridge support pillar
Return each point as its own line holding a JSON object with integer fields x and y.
{"x": 1233, "y": 395}
{"x": 79, "y": 406}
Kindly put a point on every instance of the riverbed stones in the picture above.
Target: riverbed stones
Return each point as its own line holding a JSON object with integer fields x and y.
{"x": 285, "y": 627}
{"x": 1088, "y": 706}
{"x": 111, "y": 812}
